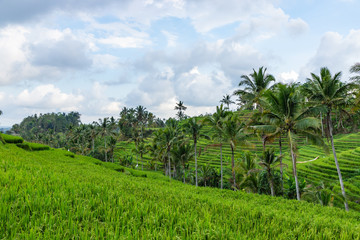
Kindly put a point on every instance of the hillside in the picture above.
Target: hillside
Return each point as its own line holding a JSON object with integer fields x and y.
{"x": 314, "y": 164}
{"x": 54, "y": 194}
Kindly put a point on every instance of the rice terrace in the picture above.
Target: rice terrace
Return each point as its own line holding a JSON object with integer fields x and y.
{"x": 177, "y": 119}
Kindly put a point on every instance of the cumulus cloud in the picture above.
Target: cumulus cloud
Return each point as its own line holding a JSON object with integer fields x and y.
{"x": 48, "y": 97}
{"x": 335, "y": 51}
{"x": 64, "y": 53}
{"x": 288, "y": 77}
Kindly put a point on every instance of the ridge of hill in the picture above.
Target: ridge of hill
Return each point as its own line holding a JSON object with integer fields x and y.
{"x": 53, "y": 194}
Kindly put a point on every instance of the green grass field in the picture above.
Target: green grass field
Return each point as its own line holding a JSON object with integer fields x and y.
{"x": 51, "y": 195}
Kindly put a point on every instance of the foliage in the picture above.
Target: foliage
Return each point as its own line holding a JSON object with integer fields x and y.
{"x": 45, "y": 195}
{"x": 11, "y": 139}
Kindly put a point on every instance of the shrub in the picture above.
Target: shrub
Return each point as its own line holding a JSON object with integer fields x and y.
{"x": 38, "y": 146}
{"x": 24, "y": 146}
{"x": 12, "y": 139}
{"x": 70, "y": 154}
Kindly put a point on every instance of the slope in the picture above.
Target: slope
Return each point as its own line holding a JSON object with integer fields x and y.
{"x": 52, "y": 194}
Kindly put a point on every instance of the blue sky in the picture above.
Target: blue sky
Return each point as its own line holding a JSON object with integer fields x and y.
{"x": 96, "y": 57}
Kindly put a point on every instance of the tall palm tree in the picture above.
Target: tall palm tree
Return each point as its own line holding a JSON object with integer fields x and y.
{"x": 216, "y": 122}
{"x": 284, "y": 110}
{"x": 233, "y": 133}
{"x": 327, "y": 92}
{"x": 181, "y": 109}
{"x": 269, "y": 161}
{"x": 254, "y": 84}
{"x": 227, "y": 101}
{"x": 104, "y": 131}
{"x": 193, "y": 127}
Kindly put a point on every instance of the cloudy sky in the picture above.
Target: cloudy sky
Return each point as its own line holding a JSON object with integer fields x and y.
{"x": 97, "y": 56}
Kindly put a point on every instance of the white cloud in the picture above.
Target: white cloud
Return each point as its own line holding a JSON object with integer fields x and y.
{"x": 171, "y": 38}
{"x": 287, "y": 77}
{"x": 336, "y": 52}
{"x": 124, "y": 42}
{"x": 49, "y": 97}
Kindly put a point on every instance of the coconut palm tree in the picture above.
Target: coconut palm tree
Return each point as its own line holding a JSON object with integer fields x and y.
{"x": 183, "y": 153}
{"x": 327, "y": 92}
{"x": 166, "y": 138}
{"x": 247, "y": 173}
{"x": 269, "y": 162}
{"x": 216, "y": 122}
{"x": 233, "y": 133}
{"x": 193, "y": 127}
{"x": 284, "y": 110}
{"x": 181, "y": 109}
{"x": 254, "y": 84}
{"x": 227, "y": 101}
{"x": 355, "y": 69}
{"x": 104, "y": 131}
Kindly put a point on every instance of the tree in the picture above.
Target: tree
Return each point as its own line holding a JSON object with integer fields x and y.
{"x": 183, "y": 153}
{"x": 104, "y": 131}
{"x": 247, "y": 173}
{"x": 193, "y": 127}
{"x": 355, "y": 69}
{"x": 269, "y": 161}
{"x": 327, "y": 91}
{"x": 216, "y": 122}
{"x": 284, "y": 109}
{"x": 227, "y": 101}
{"x": 181, "y": 109}
{"x": 255, "y": 84}
{"x": 232, "y": 132}
{"x": 166, "y": 138}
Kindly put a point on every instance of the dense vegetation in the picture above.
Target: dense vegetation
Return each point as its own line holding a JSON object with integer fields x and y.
{"x": 274, "y": 121}
{"x": 51, "y": 194}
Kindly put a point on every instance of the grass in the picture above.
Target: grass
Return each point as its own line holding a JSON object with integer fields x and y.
{"x": 47, "y": 195}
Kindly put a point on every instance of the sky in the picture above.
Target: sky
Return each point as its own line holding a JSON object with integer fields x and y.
{"x": 98, "y": 56}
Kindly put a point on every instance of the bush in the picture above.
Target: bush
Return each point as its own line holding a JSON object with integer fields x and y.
{"x": 12, "y": 139}
{"x": 70, "y": 154}
{"x": 38, "y": 146}
{"x": 24, "y": 146}
{"x": 32, "y": 146}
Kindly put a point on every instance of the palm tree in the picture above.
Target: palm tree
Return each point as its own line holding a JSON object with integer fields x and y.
{"x": 181, "y": 108}
{"x": 269, "y": 161}
{"x": 254, "y": 84}
{"x": 232, "y": 132}
{"x": 92, "y": 131}
{"x": 166, "y": 138}
{"x": 193, "y": 127}
{"x": 247, "y": 173}
{"x": 284, "y": 110}
{"x": 216, "y": 122}
{"x": 327, "y": 92}
{"x": 355, "y": 69}
{"x": 183, "y": 153}
{"x": 104, "y": 131}
{"x": 227, "y": 101}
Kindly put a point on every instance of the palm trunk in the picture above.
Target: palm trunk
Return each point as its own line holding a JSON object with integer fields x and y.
{"x": 293, "y": 157}
{"x": 169, "y": 165}
{"x": 92, "y": 144}
{"x": 196, "y": 172}
{"x": 105, "y": 151}
{"x": 336, "y": 161}
{"x": 184, "y": 175}
{"x": 271, "y": 183}
{"x": 221, "y": 169}
{"x": 322, "y": 125}
{"x": 281, "y": 168}
{"x": 233, "y": 166}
